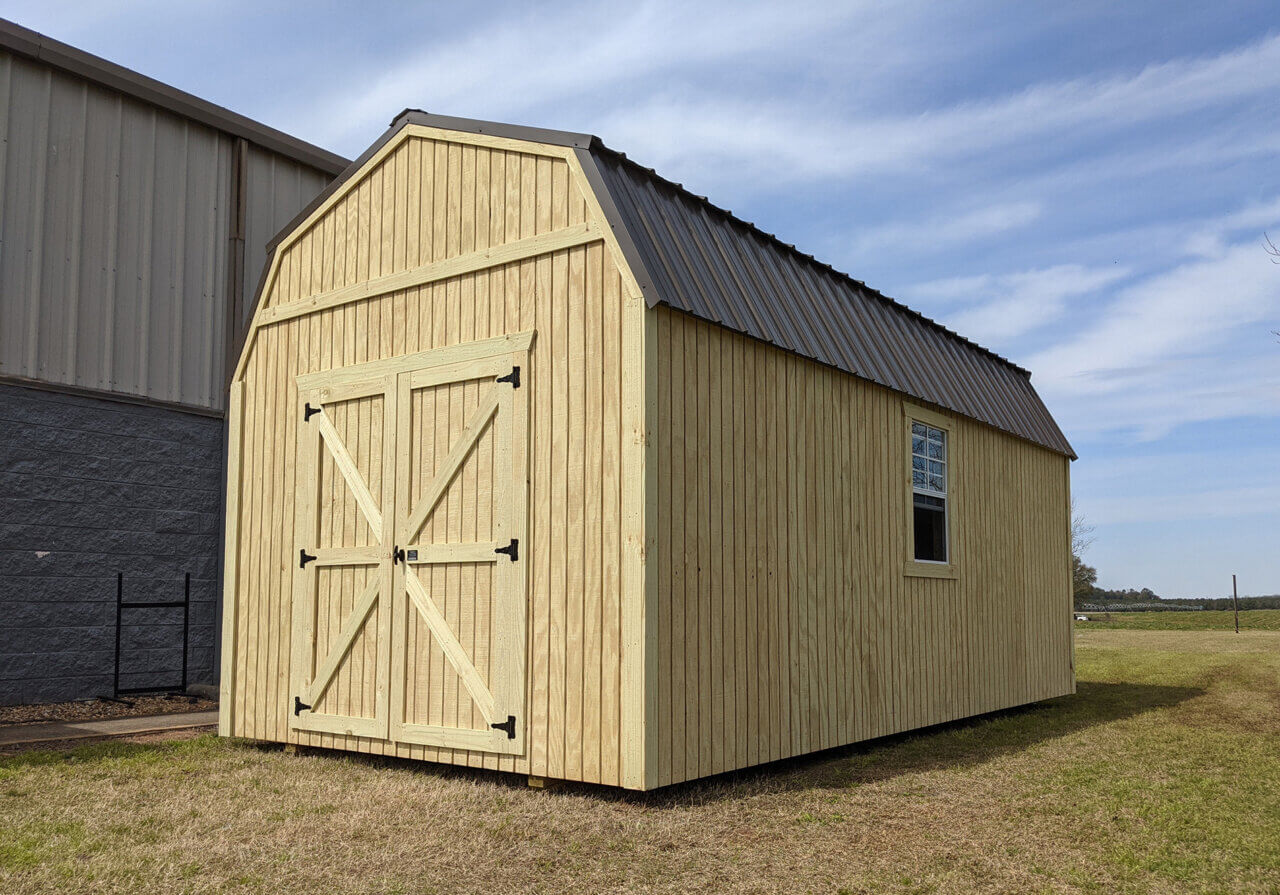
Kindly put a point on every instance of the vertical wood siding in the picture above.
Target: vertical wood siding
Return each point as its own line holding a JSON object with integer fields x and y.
{"x": 785, "y": 621}
{"x": 429, "y": 201}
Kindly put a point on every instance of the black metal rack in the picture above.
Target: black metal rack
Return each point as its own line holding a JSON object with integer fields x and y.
{"x": 184, "y": 604}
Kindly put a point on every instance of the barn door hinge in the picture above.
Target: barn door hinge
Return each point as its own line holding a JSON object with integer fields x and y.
{"x": 299, "y": 705}
{"x": 303, "y": 558}
{"x": 508, "y": 725}
{"x": 397, "y": 555}
{"x": 512, "y": 550}
{"x": 513, "y": 377}
{"x": 308, "y": 411}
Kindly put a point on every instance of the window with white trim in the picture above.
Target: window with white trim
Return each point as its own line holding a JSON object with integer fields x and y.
{"x": 929, "y": 492}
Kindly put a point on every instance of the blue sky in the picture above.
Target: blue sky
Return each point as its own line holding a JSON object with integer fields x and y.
{"x": 1083, "y": 189}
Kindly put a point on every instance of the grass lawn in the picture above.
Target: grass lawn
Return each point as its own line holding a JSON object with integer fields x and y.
{"x": 1209, "y": 619}
{"x": 1161, "y": 775}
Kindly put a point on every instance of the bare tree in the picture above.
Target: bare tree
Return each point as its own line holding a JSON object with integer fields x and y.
{"x": 1274, "y": 251}
{"x": 1083, "y": 577}
{"x": 1081, "y": 531}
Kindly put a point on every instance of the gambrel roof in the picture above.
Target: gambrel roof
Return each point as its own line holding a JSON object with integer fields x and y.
{"x": 691, "y": 255}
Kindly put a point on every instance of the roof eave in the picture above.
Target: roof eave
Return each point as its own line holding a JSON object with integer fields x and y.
{"x": 495, "y": 129}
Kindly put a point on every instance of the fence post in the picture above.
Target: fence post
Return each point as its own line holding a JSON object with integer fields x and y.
{"x": 1235, "y": 601}
{"x": 186, "y": 626}
{"x": 115, "y": 680}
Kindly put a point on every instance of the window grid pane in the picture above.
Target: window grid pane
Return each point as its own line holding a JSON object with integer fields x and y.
{"x": 928, "y": 459}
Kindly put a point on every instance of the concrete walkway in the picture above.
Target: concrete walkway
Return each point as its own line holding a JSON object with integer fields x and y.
{"x": 47, "y": 731}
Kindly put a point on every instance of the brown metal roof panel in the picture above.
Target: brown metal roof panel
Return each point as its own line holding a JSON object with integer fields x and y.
{"x": 731, "y": 277}
{"x": 782, "y": 297}
{"x": 946, "y": 366}
{"x": 982, "y": 386}
{"x": 786, "y": 295}
{"x": 711, "y": 264}
{"x": 678, "y": 248}
{"x": 777, "y": 326}
{"x": 686, "y": 247}
{"x": 739, "y": 275}
{"x": 861, "y": 313}
{"x": 897, "y": 354}
{"x": 645, "y": 233}
{"x": 832, "y": 316}
{"x": 740, "y": 315}
{"x": 853, "y": 307}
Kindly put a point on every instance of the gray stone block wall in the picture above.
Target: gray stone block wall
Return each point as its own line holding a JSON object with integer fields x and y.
{"x": 90, "y": 487}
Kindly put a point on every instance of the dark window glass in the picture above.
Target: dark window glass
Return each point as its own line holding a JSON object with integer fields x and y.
{"x": 930, "y": 528}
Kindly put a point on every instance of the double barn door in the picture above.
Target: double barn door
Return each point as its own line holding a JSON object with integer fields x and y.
{"x": 409, "y": 610}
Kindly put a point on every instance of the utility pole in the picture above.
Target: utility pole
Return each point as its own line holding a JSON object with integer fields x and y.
{"x": 1235, "y": 601}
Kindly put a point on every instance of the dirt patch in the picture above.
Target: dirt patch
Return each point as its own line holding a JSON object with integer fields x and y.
{"x": 101, "y": 709}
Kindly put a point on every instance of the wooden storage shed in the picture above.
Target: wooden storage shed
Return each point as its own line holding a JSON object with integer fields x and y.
{"x": 540, "y": 463}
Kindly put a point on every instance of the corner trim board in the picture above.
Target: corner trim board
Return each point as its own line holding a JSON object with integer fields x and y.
{"x": 231, "y": 560}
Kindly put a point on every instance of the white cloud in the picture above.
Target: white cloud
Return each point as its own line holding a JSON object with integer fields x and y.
{"x": 996, "y": 309}
{"x": 552, "y": 58}
{"x": 1156, "y": 324}
{"x": 1162, "y": 506}
{"x": 1191, "y": 344}
{"x": 1151, "y": 402}
{"x": 946, "y": 229}
{"x": 661, "y": 80}
{"x": 1210, "y": 240}
{"x": 1143, "y": 484}
{"x": 789, "y": 140}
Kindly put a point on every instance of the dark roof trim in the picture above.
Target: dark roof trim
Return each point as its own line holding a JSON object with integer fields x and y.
{"x": 620, "y": 230}
{"x": 495, "y": 129}
{"x": 33, "y": 45}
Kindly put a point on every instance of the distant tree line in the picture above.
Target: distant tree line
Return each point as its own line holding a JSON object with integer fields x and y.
{"x": 1087, "y": 596}
{"x": 1146, "y": 600}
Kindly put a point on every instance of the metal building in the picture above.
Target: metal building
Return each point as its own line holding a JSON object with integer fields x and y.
{"x": 133, "y": 222}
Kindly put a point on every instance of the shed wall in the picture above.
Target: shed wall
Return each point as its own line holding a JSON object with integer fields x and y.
{"x": 785, "y": 621}
{"x": 428, "y": 201}
{"x": 115, "y": 231}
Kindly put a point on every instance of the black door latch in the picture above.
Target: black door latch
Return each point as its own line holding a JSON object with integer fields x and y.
{"x": 397, "y": 555}
{"x": 508, "y": 725}
{"x": 512, "y": 550}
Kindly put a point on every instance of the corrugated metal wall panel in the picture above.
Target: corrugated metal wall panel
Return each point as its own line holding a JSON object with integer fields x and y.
{"x": 704, "y": 261}
{"x": 115, "y": 226}
{"x": 275, "y": 190}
